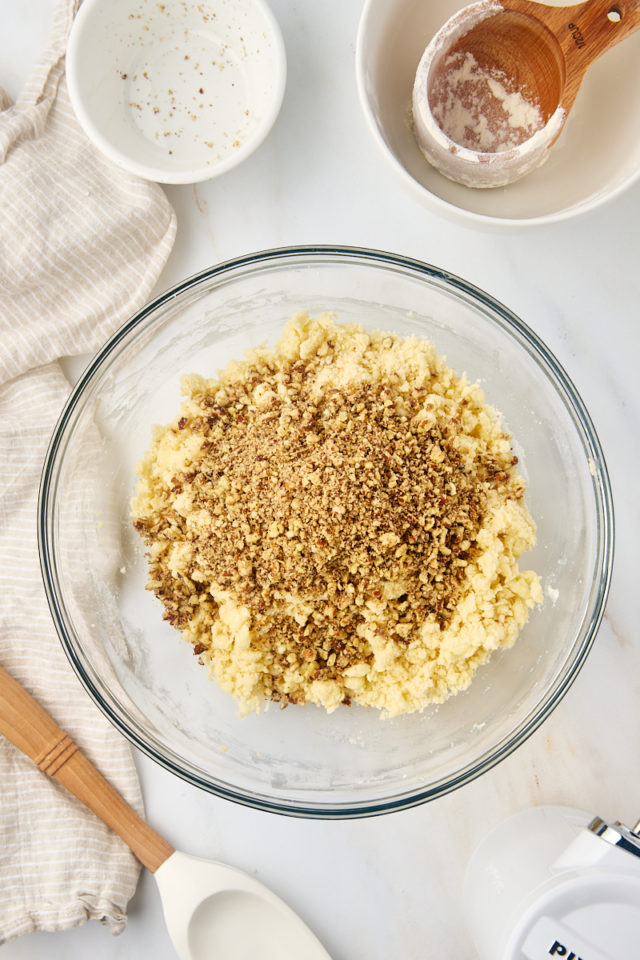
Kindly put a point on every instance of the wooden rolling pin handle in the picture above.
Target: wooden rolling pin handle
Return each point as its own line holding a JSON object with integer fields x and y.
{"x": 24, "y": 722}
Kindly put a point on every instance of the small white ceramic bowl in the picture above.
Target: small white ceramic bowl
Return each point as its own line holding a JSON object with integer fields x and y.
{"x": 176, "y": 92}
{"x": 596, "y": 157}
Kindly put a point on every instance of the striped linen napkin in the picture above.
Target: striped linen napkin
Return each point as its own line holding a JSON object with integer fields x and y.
{"x": 81, "y": 246}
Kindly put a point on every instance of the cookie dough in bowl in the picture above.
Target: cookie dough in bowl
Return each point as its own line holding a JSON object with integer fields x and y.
{"x": 337, "y": 520}
{"x": 414, "y": 349}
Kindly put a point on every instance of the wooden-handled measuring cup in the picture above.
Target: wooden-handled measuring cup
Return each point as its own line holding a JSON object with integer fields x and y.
{"x": 546, "y": 50}
{"x": 541, "y": 52}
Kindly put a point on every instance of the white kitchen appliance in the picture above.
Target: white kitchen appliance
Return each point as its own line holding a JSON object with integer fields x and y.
{"x": 556, "y": 882}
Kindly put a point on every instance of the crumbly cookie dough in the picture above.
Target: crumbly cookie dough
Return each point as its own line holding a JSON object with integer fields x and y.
{"x": 337, "y": 519}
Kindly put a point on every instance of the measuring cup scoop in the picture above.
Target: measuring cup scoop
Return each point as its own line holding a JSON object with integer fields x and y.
{"x": 495, "y": 85}
{"x": 211, "y": 909}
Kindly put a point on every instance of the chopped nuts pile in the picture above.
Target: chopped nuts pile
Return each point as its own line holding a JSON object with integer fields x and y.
{"x": 320, "y": 508}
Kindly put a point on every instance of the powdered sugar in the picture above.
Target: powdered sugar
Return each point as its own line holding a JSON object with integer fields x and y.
{"x": 477, "y": 108}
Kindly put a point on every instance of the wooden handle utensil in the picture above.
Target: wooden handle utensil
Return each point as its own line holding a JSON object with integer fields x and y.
{"x": 547, "y": 50}
{"x": 35, "y": 733}
{"x": 211, "y": 909}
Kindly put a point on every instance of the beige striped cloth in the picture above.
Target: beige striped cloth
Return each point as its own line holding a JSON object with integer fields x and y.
{"x": 81, "y": 246}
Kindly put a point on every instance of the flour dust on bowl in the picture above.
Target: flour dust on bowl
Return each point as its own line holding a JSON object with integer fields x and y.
{"x": 595, "y": 158}
{"x": 176, "y": 92}
{"x": 303, "y": 760}
{"x": 496, "y": 84}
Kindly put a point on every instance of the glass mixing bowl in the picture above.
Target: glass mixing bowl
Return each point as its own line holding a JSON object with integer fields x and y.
{"x": 141, "y": 673}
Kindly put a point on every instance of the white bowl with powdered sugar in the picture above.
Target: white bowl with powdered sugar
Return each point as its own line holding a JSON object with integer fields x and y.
{"x": 596, "y": 157}
{"x": 176, "y": 92}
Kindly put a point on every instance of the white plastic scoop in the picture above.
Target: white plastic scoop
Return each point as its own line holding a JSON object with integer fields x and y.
{"x": 496, "y": 83}
{"x": 213, "y": 911}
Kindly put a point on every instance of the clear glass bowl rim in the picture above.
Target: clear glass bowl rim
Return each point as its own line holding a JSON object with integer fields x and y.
{"x": 540, "y": 354}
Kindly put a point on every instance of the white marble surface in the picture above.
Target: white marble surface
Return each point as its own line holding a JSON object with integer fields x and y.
{"x": 391, "y": 886}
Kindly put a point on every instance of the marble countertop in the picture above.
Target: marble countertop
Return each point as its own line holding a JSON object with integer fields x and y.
{"x": 391, "y": 886}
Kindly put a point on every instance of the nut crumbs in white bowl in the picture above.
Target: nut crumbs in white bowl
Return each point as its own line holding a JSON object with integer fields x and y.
{"x": 337, "y": 520}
